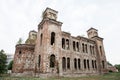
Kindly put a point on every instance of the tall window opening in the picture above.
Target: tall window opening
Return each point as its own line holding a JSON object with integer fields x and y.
{"x": 84, "y": 64}
{"x": 86, "y": 48}
{"x": 67, "y": 43}
{"x": 52, "y": 38}
{"x": 92, "y": 64}
{"x": 101, "y": 50}
{"x": 79, "y": 66}
{"x": 74, "y": 46}
{"x": 39, "y": 60}
{"x": 68, "y": 63}
{"x": 93, "y": 50}
{"x": 20, "y": 52}
{"x": 83, "y": 47}
{"x": 63, "y": 43}
{"x": 41, "y": 36}
{"x": 103, "y": 64}
{"x": 90, "y": 49}
{"x": 52, "y": 61}
{"x": 88, "y": 64}
{"x": 64, "y": 63}
{"x": 95, "y": 64}
{"x": 77, "y": 46}
{"x": 75, "y": 63}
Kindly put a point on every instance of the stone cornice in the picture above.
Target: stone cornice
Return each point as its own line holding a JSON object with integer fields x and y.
{"x": 66, "y": 34}
{"x": 30, "y": 46}
{"x": 50, "y": 21}
{"x": 98, "y": 38}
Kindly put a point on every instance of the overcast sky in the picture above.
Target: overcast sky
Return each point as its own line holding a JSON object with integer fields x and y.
{"x": 18, "y": 17}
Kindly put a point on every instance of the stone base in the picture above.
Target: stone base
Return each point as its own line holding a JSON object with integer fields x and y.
{"x": 46, "y": 75}
{"x": 24, "y": 74}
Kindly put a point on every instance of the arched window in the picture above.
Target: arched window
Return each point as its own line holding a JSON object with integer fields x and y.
{"x": 64, "y": 63}
{"x": 39, "y": 60}
{"x": 63, "y": 43}
{"x": 93, "y": 50}
{"x": 52, "y": 38}
{"x": 20, "y": 52}
{"x": 86, "y": 48}
{"x": 103, "y": 64}
{"x": 79, "y": 66}
{"x": 90, "y": 49}
{"x": 41, "y": 36}
{"x": 67, "y": 43}
{"x": 88, "y": 64}
{"x": 101, "y": 50}
{"x": 68, "y": 63}
{"x": 74, "y": 46}
{"x": 52, "y": 61}
{"x": 84, "y": 64}
{"x": 83, "y": 47}
{"x": 95, "y": 64}
{"x": 92, "y": 64}
{"x": 77, "y": 46}
{"x": 75, "y": 63}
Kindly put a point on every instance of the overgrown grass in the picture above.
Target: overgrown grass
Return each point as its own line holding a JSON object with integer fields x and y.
{"x": 110, "y": 76}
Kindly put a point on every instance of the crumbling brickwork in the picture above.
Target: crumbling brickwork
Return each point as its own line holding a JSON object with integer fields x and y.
{"x": 23, "y": 58}
{"x": 54, "y": 52}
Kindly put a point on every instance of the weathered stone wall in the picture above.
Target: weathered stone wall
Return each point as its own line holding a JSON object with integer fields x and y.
{"x": 44, "y": 48}
{"x": 58, "y": 53}
{"x": 79, "y": 54}
{"x": 23, "y": 58}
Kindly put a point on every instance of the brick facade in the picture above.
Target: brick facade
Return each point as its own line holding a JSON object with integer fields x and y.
{"x": 54, "y": 52}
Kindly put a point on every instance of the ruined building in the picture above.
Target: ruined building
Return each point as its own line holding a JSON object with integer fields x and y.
{"x": 52, "y": 52}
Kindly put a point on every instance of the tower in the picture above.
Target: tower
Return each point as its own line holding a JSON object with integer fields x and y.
{"x": 50, "y": 13}
{"x": 32, "y": 37}
{"x": 92, "y": 32}
{"x": 102, "y": 63}
{"x": 48, "y": 42}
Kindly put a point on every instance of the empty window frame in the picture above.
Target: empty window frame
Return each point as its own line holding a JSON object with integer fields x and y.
{"x": 41, "y": 36}
{"x": 79, "y": 64}
{"x": 86, "y": 48}
{"x": 88, "y": 64}
{"x": 93, "y": 50}
{"x": 52, "y": 38}
{"x": 52, "y": 61}
{"x": 101, "y": 50}
{"x": 74, "y": 48}
{"x": 90, "y": 49}
{"x": 83, "y": 50}
{"x": 92, "y": 64}
{"x": 103, "y": 64}
{"x": 77, "y": 46}
{"x": 20, "y": 52}
{"x": 95, "y": 64}
{"x": 84, "y": 63}
{"x": 63, "y": 43}
{"x": 67, "y": 44}
{"x": 39, "y": 60}
{"x": 75, "y": 63}
{"x": 68, "y": 63}
{"x": 64, "y": 63}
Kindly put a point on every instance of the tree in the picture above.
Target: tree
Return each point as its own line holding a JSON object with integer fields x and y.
{"x": 109, "y": 63}
{"x": 3, "y": 66}
{"x": 20, "y": 41}
{"x": 10, "y": 65}
{"x": 118, "y": 67}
